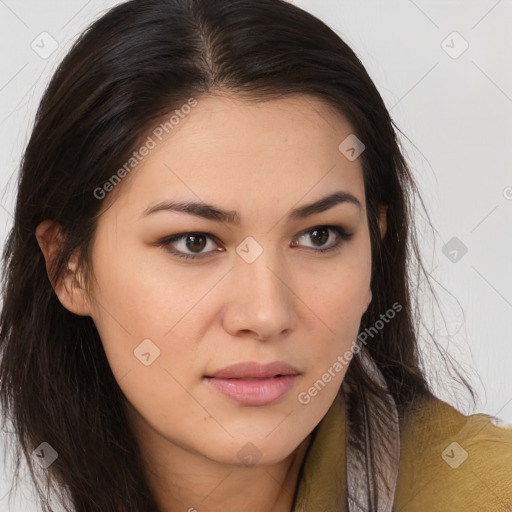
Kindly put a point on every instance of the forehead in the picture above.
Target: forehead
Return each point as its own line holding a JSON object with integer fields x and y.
{"x": 239, "y": 152}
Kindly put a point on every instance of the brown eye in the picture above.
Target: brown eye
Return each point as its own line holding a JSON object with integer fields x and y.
{"x": 195, "y": 242}
{"x": 321, "y": 234}
{"x": 192, "y": 245}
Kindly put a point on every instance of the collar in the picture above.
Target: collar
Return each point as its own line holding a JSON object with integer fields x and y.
{"x": 352, "y": 461}
{"x": 322, "y": 484}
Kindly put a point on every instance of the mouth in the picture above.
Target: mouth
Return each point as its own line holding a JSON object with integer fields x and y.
{"x": 253, "y": 384}
{"x": 254, "y": 391}
{"x": 253, "y": 378}
{"x": 251, "y": 370}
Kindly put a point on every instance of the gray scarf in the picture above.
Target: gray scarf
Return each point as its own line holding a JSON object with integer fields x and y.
{"x": 372, "y": 463}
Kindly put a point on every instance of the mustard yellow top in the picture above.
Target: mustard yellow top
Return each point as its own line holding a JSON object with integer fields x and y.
{"x": 449, "y": 462}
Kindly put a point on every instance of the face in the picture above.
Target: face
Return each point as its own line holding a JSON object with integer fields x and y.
{"x": 271, "y": 287}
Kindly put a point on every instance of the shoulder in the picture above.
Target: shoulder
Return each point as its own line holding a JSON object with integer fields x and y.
{"x": 450, "y": 461}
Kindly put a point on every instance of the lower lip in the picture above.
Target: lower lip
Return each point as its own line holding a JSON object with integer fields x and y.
{"x": 254, "y": 392}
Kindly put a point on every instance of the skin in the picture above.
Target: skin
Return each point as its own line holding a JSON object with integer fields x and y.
{"x": 291, "y": 303}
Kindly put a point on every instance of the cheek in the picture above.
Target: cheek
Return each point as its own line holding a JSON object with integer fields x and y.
{"x": 337, "y": 298}
{"x": 145, "y": 322}
{"x": 140, "y": 290}
{"x": 142, "y": 296}
{"x": 338, "y": 293}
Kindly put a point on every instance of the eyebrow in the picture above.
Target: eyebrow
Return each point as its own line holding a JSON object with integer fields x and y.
{"x": 211, "y": 212}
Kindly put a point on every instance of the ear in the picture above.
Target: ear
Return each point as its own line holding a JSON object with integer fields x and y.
{"x": 70, "y": 287}
{"x": 383, "y": 225}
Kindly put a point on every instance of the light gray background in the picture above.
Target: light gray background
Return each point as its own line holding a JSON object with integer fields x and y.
{"x": 456, "y": 111}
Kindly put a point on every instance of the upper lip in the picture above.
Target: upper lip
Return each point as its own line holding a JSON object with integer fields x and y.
{"x": 252, "y": 369}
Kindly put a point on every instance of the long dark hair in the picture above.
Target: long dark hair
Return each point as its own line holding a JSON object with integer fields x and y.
{"x": 140, "y": 61}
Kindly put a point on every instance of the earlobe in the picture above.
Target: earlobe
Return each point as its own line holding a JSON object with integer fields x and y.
{"x": 69, "y": 288}
{"x": 383, "y": 220}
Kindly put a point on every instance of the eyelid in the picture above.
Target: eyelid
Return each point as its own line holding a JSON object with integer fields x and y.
{"x": 343, "y": 235}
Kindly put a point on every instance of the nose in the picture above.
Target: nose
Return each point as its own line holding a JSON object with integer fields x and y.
{"x": 262, "y": 298}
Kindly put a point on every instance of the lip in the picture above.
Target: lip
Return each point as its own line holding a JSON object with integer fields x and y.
{"x": 254, "y": 370}
{"x": 254, "y": 392}
{"x": 253, "y": 384}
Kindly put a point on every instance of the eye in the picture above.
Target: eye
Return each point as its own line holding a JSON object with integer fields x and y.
{"x": 320, "y": 234}
{"x": 196, "y": 242}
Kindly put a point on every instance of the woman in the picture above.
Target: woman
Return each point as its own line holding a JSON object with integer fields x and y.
{"x": 207, "y": 302}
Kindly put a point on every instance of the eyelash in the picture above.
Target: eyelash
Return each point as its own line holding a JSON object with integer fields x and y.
{"x": 343, "y": 236}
